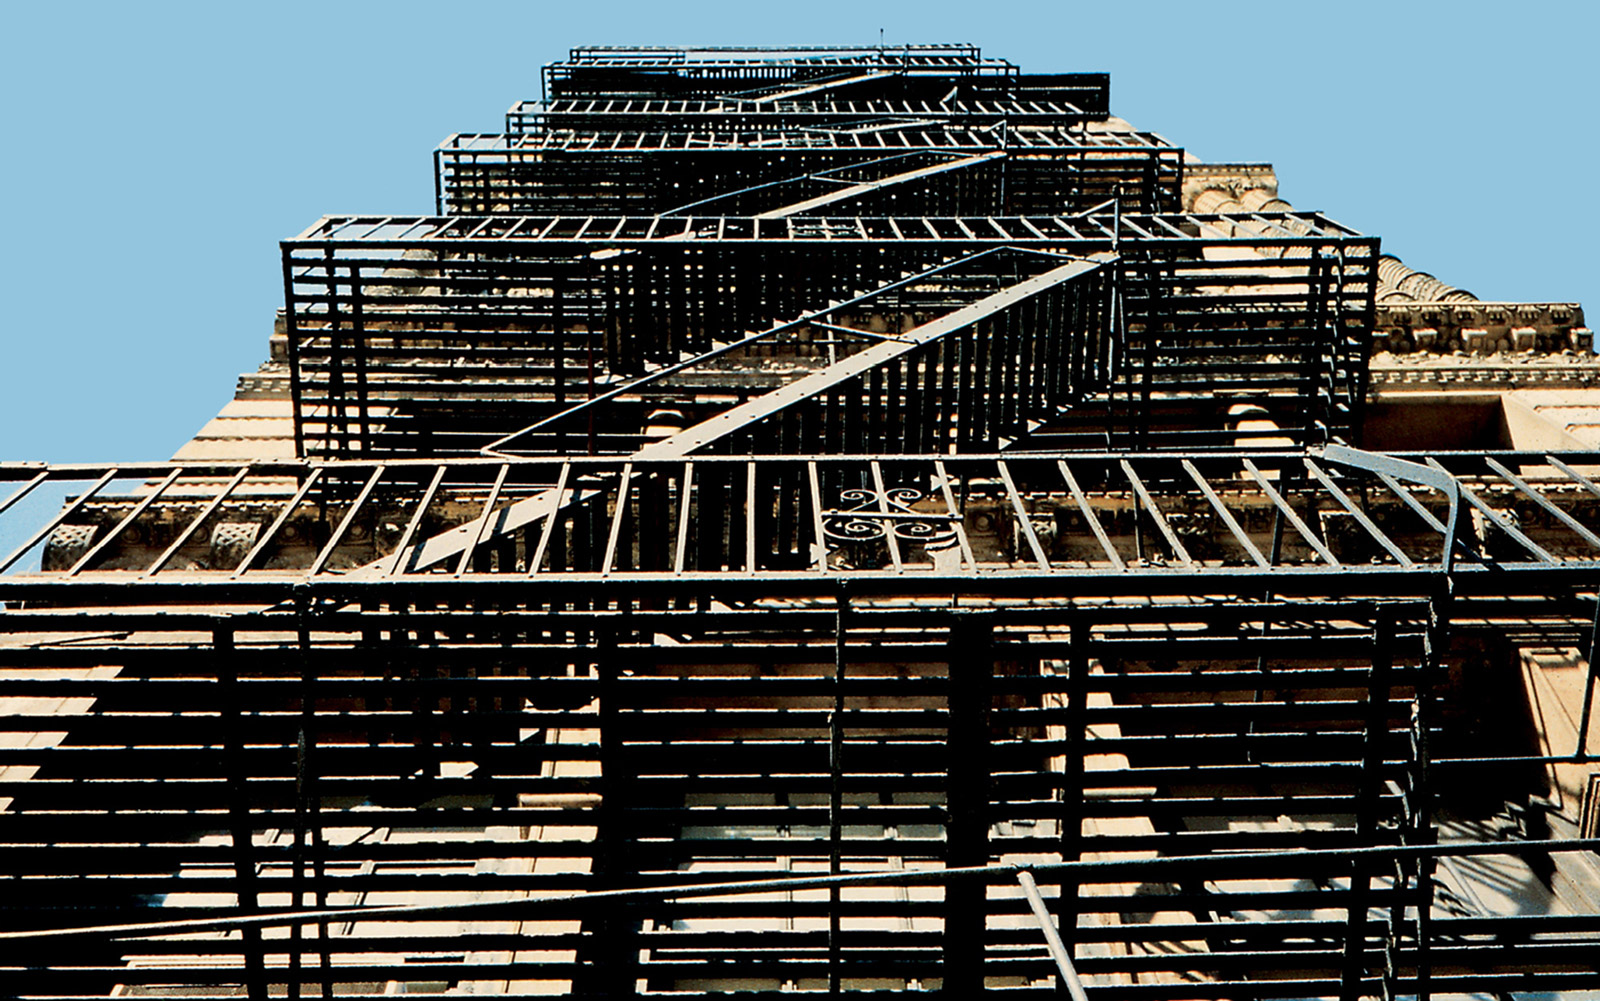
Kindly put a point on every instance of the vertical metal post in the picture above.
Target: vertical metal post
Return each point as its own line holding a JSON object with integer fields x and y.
{"x": 612, "y": 334}
{"x": 1316, "y": 399}
{"x": 1116, "y": 217}
{"x": 967, "y": 800}
{"x": 240, "y": 831}
{"x": 297, "y": 861}
{"x": 1005, "y": 143}
{"x": 1422, "y": 829}
{"x": 358, "y": 338}
{"x": 335, "y": 409}
{"x": 558, "y": 340}
{"x": 307, "y": 816}
{"x": 836, "y": 788}
{"x": 1072, "y": 775}
{"x": 1275, "y": 553}
{"x": 1154, "y": 314}
{"x": 611, "y": 954}
{"x": 438, "y": 182}
{"x": 1114, "y": 343}
{"x": 291, "y": 330}
{"x": 1588, "y": 682}
{"x": 1367, "y": 801}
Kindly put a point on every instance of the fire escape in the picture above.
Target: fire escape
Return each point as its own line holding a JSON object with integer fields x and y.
{"x": 804, "y": 519}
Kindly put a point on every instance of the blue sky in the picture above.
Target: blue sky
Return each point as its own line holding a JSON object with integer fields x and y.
{"x": 156, "y": 153}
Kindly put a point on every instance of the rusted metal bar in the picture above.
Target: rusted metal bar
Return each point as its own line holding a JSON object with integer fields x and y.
{"x": 194, "y": 526}
{"x": 24, "y": 490}
{"x": 882, "y": 497}
{"x": 1089, "y": 517}
{"x": 536, "y": 560}
{"x": 1523, "y": 488}
{"x": 480, "y": 525}
{"x": 960, "y": 529}
{"x": 326, "y": 553}
{"x": 1498, "y": 520}
{"x": 1360, "y": 516}
{"x": 685, "y": 507}
{"x": 1287, "y": 513}
{"x": 1226, "y": 516}
{"x": 105, "y": 543}
{"x": 1024, "y": 522}
{"x": 403, "y": 550}
{"x": 60, "y": 517}
{"x": 266, "y": 538}
{"x": 1154, "y": 510}
{"x": 618, "y": 516}
{"x": 1576, "y": 476}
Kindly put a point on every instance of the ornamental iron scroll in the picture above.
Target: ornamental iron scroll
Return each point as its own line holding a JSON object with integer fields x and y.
{"x": 866, "y": 522}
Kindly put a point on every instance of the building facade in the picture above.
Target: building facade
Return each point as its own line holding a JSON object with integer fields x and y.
{"x": 831, "y": 520}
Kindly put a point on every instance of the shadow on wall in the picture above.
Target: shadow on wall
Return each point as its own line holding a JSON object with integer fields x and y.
{"x": 1532, "y": 420}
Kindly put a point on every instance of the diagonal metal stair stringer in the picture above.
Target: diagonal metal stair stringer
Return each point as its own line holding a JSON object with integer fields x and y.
{"x": 752, "y": 414}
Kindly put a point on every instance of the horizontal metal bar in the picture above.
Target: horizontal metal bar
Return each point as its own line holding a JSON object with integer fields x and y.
{"x": 356, "y": 232}
{"x": 1450, "y": 460}
{"x": 1302, "y": 858}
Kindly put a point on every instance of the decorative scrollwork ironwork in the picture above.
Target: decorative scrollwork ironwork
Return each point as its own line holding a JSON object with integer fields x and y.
{"x": 865, "y": 516}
